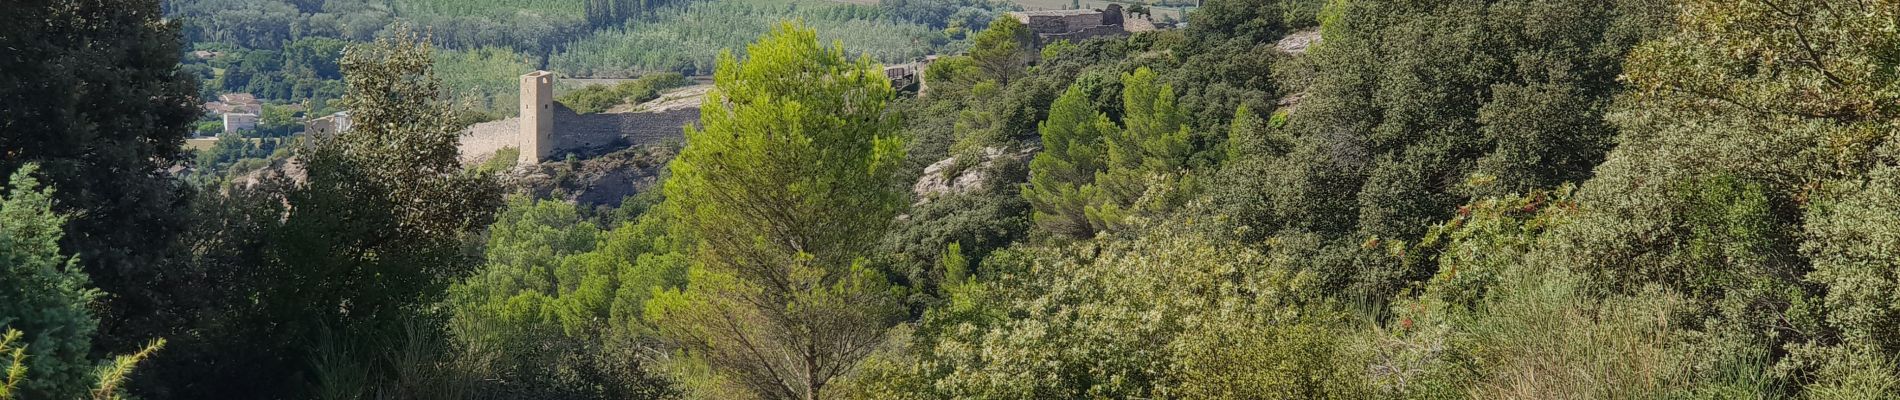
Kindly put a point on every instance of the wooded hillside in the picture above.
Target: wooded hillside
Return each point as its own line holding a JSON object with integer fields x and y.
{"x": 1406, "y": 199}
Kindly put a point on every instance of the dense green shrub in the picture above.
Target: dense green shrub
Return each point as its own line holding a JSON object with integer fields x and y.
{"x": 329, "y": 267}
{"x": 1404, "y": 101}
{"x": 1170, "y": 314}
{"x": 559, "y": 299}
{"x": 1440, "y": 199}
{"x": 94, "y": 96}
{"x": 1731, "y": 145}
{"x": 1500, "y": 320}
{"x": 979, "y": 223}
{"x": 42, "y": 291}
{"x": 1853, "y": 237}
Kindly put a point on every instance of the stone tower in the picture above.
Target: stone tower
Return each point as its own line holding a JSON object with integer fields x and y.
{"x": 537, "y": 116}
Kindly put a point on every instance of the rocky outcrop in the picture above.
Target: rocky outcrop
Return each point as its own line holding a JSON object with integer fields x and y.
{"x": 1296, "y": 43}
{"x": 943, "y": 178}
{"x": 598, "y": 181}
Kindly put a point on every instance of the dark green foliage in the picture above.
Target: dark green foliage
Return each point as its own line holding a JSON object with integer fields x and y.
{"x": 1302, "y": 14}
{"x": 368, "y": 209}
{"x": 1438, "y": 199}
{"x": 1734, "y": 235}
{"x": 966, "y": 15}
{"x": 556, "y": 311}
{"x": 92, "y": 93}
{"x": 1092, "y": 174}
{"x": 1025, "y": 103}
{"x": 615, "y": 12}
{"x": 1250, "y": 21}
{"x": 979, "y": 223}
{"x": 1062, "y": 177}
{"x": 1852, "y": 249}
{"x": 315, "y": 56}
{"x": 1214, "y": 80}
{"x": 45, "y": 321}
{"x": 42, "y": 291}
{"x": 303, "y": 69}
{"x": 1167, "y": 315}
{"x": 230, "y": 236}
{"x": 252, "y": 24}
{"x": 1145, "y": 159}
{"x": 1739, "y": 133}
{"x": 1004, "y": 50}
{"x": 688, "y": 38}
{"x": 230, "y": 149}
{"x": 1254, "y": 149}
{"x": 1407, "y": 100}
{"x": 328, "y": 270}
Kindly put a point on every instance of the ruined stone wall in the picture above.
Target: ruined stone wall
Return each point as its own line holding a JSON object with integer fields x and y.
{"x": 573, "y": 130}
{"x": 581, "y": 133}
{"x": 660, "y": 127}
{"x": 546, "y": 129}
{"x": 1073, "y": 25}
{"x": 1082, "y": 21}
{"x": 1078, "y": 36}
{"x": 578, "y": 132}
{"x": 1062, "y": 23}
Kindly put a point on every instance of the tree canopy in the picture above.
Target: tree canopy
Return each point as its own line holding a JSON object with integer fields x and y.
{"x": 784, "y": 191}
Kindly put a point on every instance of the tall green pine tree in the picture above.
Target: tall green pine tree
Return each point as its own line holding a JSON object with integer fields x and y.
{"x": 1148, "y": 153}
{"x": 786, "y": 189}
{"x": 1061, "y": 177}
{"x": 42, "y": 292}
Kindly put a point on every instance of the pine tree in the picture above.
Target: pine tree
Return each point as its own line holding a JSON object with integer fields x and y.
{"x": 786, "y": 189}
{"x": 1092, "y": 175}
{"x": 1061, "y": 177}
{"x": 1148, "y": 153}
{"x": 1004, "y": 50}
{"x": 42, "y": 292}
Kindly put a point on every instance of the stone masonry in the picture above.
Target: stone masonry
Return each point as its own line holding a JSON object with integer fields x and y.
{"x": 1073, "y": 25}
{"x": 547, "y": 130}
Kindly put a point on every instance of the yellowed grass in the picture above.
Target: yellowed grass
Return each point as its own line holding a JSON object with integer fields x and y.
{"x": 200, "y": 144}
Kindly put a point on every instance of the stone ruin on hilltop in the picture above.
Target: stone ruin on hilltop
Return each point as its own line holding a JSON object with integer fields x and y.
{"x": 546, "y": 129}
